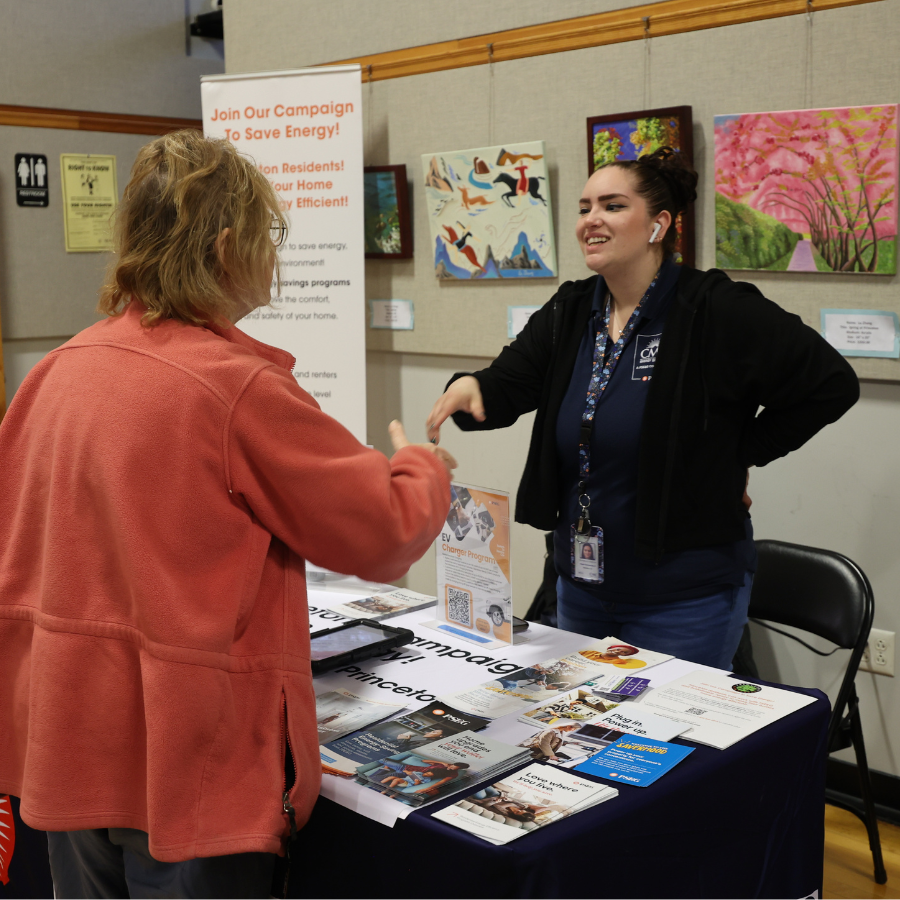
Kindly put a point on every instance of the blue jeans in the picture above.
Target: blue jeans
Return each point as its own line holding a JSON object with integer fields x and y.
{"x": 705, "y": 630}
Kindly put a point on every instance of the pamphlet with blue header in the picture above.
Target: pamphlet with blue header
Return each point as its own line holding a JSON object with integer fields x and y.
{"x": 634, "y": 760}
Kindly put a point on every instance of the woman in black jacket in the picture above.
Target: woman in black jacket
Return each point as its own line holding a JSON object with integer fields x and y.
{"x": 647, "y": 379}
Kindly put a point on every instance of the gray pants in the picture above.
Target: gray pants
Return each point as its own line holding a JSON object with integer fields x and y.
{"x": 115, "y": 862}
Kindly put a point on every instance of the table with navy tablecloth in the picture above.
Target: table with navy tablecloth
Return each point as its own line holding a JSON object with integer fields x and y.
{"x": 747, "y": 821}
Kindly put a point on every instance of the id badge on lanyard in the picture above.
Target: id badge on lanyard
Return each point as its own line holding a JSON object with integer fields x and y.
{"x": 587, "y": 554}
{"x": 587, "y": 539}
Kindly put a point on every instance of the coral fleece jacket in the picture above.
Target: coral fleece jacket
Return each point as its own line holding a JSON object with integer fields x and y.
{"x": 160, "y": 489}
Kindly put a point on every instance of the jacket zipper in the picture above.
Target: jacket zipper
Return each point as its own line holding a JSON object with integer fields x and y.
{"x": 286, "y": 806}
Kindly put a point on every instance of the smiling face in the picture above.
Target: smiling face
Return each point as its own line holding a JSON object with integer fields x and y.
{"x": 614, "y": 227}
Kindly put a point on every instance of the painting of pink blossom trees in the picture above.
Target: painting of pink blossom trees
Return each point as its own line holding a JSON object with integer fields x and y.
{"x": 811, "y": 190}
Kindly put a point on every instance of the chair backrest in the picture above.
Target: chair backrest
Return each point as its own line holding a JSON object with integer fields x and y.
{"x": 820, "y": 591}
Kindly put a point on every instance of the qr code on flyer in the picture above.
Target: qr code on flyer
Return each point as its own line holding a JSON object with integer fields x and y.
{"x": 459, "y": 606}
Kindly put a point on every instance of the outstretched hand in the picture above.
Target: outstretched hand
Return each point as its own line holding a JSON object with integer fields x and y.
{"x": 464, "y": 395}
{"x": 400, "y": 440}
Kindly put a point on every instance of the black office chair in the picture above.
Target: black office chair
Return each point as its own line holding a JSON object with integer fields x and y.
{"x": 825, "y": 594}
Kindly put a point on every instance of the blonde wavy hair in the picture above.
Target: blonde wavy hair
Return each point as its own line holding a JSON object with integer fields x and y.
{"x": 185, "y": 189}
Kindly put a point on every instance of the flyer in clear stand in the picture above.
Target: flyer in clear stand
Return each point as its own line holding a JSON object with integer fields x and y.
{"x": 474, "y": 584}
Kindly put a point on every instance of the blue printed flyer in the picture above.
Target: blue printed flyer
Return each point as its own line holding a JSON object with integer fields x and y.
{"x": 634, "y": 760}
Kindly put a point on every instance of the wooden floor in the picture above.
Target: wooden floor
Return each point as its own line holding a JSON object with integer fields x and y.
{"x": 848, "y": 860}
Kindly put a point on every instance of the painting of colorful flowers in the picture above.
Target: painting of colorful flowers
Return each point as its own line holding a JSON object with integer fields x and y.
{"x": 631, "y": 135}
{"x": 489, "y": 212}
{"x": 812, "y": 190}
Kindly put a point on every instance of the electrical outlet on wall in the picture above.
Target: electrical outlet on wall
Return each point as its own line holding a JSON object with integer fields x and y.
{"x": 879, "y": 653}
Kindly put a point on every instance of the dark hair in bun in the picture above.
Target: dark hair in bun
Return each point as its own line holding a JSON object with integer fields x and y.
{"x": 665, "y": 181}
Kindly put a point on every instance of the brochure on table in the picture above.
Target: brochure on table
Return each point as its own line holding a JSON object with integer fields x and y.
{"x": 447, "y": 766}
{"x": 638, "y": 761}
{"x": 721, "y": 710}
{"x": 474, "y": 583}
{"x": 524, "y": 802}
{"x": 409, "y": 731}
{"x": 512, "y": 692}
{"x": 385, "y": 605}
{"x": 339, "y": 713}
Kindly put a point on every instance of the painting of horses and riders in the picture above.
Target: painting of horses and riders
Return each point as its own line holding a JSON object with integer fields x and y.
{"x": 811, "y": 190}
{"x": 489, "y": 211}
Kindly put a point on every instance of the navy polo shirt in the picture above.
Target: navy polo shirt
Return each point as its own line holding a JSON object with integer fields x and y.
{"x": 612, "y": 483}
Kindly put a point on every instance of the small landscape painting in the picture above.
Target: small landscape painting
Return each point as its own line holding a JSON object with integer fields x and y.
{"x": 387, "y": 230}
{"x": 629, "y": 135}
{"x": 810, "y": 190}
{"x": 489, "y": 212}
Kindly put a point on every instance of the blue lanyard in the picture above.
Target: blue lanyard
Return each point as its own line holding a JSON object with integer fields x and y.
{"x": 600, "y": 376}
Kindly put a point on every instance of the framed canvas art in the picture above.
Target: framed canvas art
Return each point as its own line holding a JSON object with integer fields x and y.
{"x": 388, "y": 232}
{"x": 489, "y": 212}
{"x": 630, "y": 135}
{"x": 809, "y": 190}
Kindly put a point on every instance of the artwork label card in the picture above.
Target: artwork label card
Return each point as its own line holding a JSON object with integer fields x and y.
{"x": 862, "y": 332}
{"x": 395, "y": 315}
{"x": 517, "y": 318}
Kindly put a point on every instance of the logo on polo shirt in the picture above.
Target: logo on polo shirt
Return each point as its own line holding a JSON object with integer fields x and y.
{"x": 645, "y": 351}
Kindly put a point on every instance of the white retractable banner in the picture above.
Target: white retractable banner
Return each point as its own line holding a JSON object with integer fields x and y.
{"x": 303, "y": 128}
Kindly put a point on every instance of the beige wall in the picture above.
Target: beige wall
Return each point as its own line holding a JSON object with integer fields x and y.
{"x": 98, "y": 55}
{"x": 291, "y": 34}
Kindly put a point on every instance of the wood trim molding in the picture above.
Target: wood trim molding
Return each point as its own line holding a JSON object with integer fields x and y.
{"x": 650, "y": 20}
{"x": 77, "y": 120}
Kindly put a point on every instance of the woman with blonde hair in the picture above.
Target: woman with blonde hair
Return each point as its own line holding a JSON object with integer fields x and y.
{"x": 163, "y": 480}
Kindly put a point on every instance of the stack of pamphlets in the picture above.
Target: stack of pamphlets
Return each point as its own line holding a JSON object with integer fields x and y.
{"x": 568, "y": 743}
{"x": 385, "y": 606}
{"x": 523, "y": 802}
{"x": 516, "y": 690}
{"x": 448, "y": 766}
{"x": 409, "y": 731}
{"x": 342, "y": 712}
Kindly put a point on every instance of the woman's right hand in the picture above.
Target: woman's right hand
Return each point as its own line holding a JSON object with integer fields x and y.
{"x": 464, "y": 395}
{"x": 400, "y": 440}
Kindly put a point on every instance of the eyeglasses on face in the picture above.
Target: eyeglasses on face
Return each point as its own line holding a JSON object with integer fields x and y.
{"x": 278, "y": 232}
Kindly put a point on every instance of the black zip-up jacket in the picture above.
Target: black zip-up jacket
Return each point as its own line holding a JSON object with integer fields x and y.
{"x": 725, "y": 351}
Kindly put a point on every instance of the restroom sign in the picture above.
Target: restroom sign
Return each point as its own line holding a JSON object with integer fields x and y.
{"x": 32, "y": 175}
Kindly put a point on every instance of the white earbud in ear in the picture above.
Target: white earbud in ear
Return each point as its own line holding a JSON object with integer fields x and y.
{"x": 656, "y": 230}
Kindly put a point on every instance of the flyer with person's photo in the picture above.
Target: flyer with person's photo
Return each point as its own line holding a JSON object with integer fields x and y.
{"x": 474, "y": 583}
{"x": 406, "y": 732}
{"x": 342, "y": 712}
{"x": 417, "y": 777}
{"x": 579, "y": 706}
{"x": 514, "y": 691}
{"x": 530, "y": 799}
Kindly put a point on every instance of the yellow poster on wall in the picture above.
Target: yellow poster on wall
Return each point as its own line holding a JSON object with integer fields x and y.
{"x": 89, "y": 200}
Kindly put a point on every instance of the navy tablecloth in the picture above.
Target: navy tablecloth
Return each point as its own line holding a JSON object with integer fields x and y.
{"x": 743, "y": 822}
